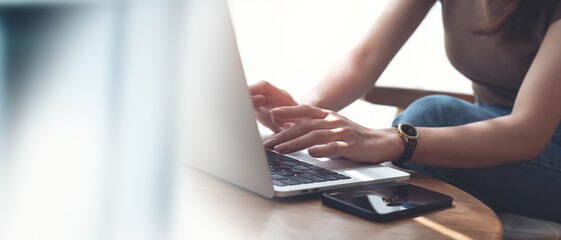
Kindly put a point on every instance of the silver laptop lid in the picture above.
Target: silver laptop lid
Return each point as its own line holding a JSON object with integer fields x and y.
{"x": 218, "y": 129}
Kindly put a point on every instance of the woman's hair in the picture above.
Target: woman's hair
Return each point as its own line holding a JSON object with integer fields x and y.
{"x": 515, "y": 17}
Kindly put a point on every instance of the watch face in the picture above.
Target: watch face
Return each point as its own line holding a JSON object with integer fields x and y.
{"x": 409, "y": 130}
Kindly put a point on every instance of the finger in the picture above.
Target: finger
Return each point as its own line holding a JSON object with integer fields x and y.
{"x": 283, "y": 123}
{"x": 295, "y": 114}
{"x": 328, "y": 150}
{"x": 259, "y": 88}
{"x": 259, "y": 101}
{"x": 263, "y": 88}
{"x": 297, "y": 130}
{"x": 287, "y": 125}
{"x": 299, "y": 112}
{"x": 307, "y": 140}
{"x": 276, "y": 97}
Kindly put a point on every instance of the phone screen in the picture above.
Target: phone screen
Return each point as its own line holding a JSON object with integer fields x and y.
{"x": 385, "y": 202}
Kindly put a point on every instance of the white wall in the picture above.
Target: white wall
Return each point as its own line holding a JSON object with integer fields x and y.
{"x": 294, "y": 43}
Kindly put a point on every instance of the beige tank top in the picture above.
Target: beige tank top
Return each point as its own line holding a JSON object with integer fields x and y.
{"x": 496, "y": 64}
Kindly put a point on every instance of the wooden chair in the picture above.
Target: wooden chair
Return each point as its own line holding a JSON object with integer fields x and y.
{"x": 402, "y": 97}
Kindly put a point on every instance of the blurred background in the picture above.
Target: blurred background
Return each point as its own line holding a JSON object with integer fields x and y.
{"x": 86, "y": 101}
{"x": 86, "y": 119}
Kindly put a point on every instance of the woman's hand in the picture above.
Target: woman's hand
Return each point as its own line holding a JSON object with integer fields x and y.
{"x": 326, "y": 133}
{"x": 265, "y": 97}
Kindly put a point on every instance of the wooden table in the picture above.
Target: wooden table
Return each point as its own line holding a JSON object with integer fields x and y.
{"x": 215, "y": 209}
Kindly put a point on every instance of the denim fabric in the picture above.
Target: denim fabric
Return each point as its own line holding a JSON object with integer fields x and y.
{"x": 531, "y": 188}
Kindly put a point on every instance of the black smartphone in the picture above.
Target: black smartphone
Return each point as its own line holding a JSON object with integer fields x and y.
{"x": 386, "y": 202}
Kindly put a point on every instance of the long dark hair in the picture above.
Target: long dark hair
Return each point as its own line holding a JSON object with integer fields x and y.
{"x": 515, "y": 17}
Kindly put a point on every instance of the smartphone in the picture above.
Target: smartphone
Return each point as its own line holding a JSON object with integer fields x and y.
{"x": 386, "y": 202}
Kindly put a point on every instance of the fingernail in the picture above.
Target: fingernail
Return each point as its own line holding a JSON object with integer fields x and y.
{"x": 267, "y": 143}
{"x": 281, "y": 149}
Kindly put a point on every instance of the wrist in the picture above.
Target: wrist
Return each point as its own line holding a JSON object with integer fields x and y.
{"x": 410, "y": 136}
{"x": 394, "y": 145}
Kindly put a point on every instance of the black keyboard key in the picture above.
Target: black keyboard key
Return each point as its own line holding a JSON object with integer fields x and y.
{"x": 296, "y": 171}
{"x": 274, "y": 169}
{"x": 300, "y": 179}
{"x": 312, "y": 177}
{"x": 278, "y": 177}
{"x": 316, "y": 168}
{"x": 303, "y": 168}
{"x": 327, "y": 171}
{"x": 321, "y": 175}
{"x": 289, "y": 159}
{"x": 278, "y": 183}
{"x": 285, "y": 173}
{"x": 305, "y": 164}
{"x": 290, "y": 182}
{"x": 340, "y": 176}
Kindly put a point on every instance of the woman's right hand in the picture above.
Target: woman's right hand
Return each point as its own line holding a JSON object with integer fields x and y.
{"x": 265, "y": 97}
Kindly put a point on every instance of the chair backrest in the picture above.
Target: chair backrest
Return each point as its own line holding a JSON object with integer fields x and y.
{"x": 402, "y": 97}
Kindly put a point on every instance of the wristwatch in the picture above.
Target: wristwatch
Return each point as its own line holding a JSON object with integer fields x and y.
{"x": 410, "y": 136}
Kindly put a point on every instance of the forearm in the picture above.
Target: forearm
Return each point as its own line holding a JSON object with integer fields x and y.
{"x": 481, "y": 144}
{"x": 349, "y": 80}
{"x": 362, "y": 67}
{"x": 520, "y": 136}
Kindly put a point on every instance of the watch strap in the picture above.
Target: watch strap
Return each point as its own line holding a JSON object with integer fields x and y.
{"x": 410, "y": 145}
{"x": 406, "y": 155}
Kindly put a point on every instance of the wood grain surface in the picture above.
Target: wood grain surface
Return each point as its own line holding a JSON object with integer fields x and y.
{"x": 215, "y": 209}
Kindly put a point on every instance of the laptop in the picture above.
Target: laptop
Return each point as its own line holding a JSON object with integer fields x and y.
{"x": 218, "y": 131}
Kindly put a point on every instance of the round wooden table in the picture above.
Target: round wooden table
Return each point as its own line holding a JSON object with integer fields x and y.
{"x": 215, "y": 209}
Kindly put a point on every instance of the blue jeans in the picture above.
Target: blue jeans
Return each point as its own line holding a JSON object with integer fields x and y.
{"x": 531, "y": 188}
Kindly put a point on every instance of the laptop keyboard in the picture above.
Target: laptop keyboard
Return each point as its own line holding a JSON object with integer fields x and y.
{"x": 289, "y": 171}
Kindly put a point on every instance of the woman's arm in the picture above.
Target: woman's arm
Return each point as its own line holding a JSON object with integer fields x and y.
{"x": 520, "y": 136}
{"x": 360, "y": 69}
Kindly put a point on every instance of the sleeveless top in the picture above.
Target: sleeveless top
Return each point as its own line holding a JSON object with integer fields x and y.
{"x": 496, "y": 64}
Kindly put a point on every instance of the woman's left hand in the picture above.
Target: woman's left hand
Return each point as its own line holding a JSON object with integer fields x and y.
{"x": 326, "y": 133}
